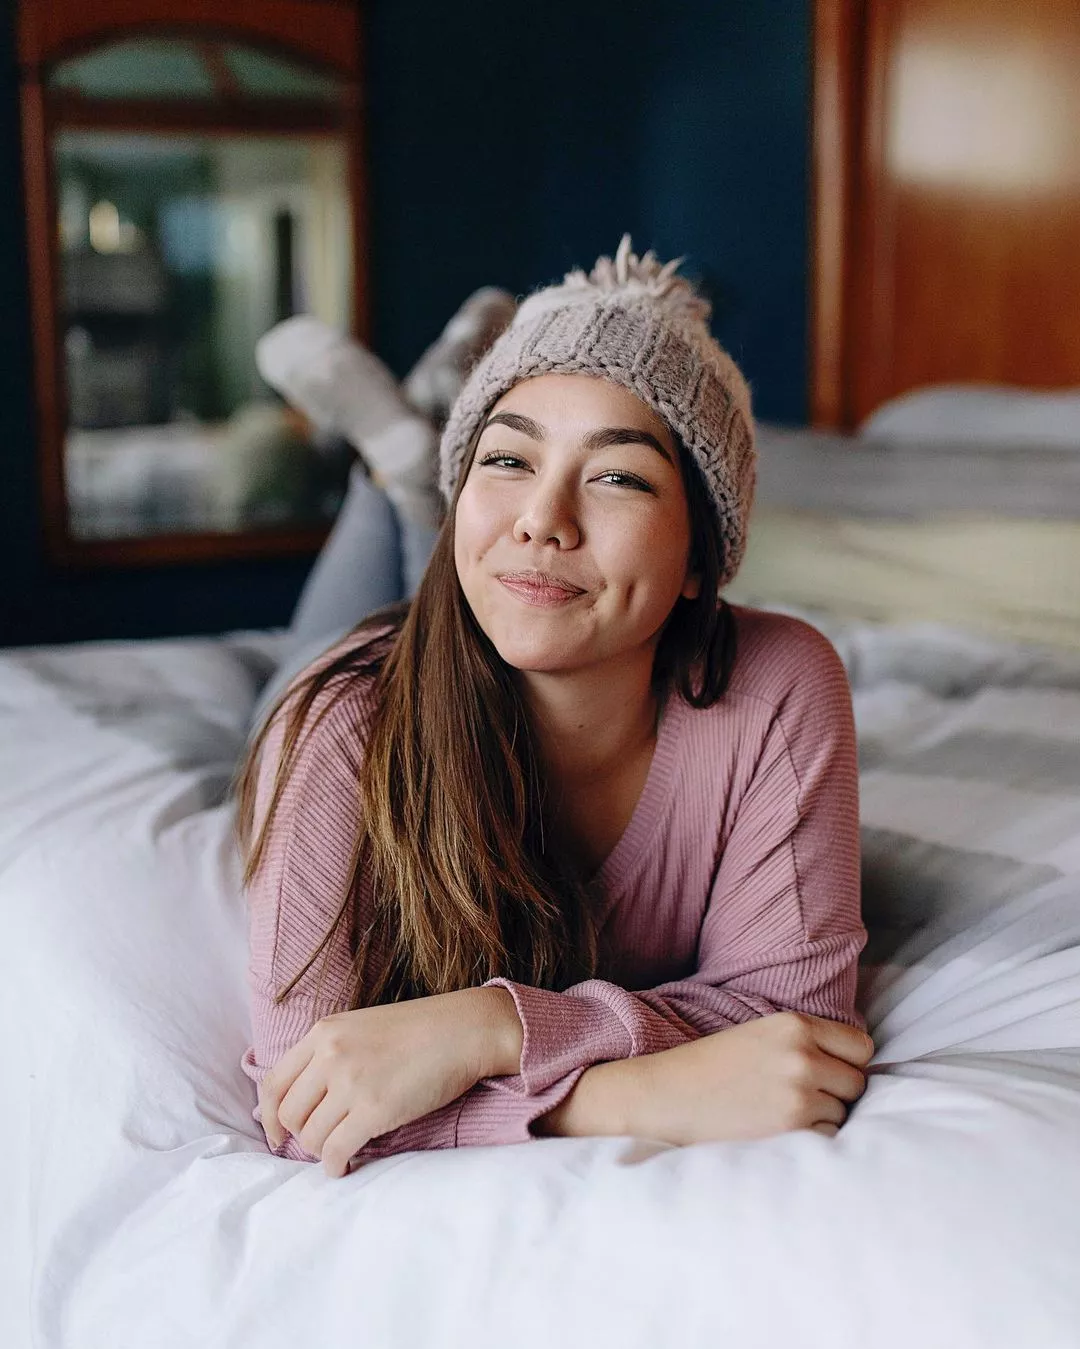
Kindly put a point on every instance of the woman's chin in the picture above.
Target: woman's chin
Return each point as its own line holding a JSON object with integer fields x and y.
{"x": 532, "y": 661}
{"x": 533, "y": 655}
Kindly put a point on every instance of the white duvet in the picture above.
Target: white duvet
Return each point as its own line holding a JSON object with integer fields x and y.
{"x": 141, "y": 1209}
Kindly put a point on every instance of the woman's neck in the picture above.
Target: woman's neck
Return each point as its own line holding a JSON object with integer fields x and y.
{"x": 591, "y": 723}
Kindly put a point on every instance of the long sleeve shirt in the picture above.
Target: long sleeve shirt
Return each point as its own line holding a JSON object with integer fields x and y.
{"x": 733, "y": 892}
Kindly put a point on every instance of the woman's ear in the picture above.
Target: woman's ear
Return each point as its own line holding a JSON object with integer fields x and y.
{"x": 691, "y": 586}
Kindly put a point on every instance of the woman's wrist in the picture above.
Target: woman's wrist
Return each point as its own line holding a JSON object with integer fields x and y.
{"x": 605, "y": 1100}
{"x": 497, "y": 1029}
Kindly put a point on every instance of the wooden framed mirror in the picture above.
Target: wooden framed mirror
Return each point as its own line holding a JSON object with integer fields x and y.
{"x": 193, "y": 174}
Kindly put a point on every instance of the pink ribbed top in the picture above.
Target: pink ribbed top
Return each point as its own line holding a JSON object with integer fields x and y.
{"x": 732, "y": 893}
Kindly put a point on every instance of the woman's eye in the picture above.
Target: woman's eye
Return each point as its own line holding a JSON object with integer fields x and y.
{"x": 502, "y": 460}
{"x": 626, "y": 480}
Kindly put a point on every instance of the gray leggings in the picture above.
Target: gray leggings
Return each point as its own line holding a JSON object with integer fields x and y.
{"x": 373, "y": 556}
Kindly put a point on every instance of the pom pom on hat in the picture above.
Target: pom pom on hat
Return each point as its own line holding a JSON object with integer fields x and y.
{"x": 624, "y": 276}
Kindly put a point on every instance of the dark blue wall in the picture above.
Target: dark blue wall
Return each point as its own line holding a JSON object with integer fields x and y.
{"x": 508, "y": 142}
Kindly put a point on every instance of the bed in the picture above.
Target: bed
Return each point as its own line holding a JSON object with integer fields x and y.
{"x": 142, "y": 1207}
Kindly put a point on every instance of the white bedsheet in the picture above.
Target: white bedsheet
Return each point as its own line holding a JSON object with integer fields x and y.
{"x": 141, "y": 1209}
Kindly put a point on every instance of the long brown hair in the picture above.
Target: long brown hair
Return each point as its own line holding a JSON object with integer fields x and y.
{"x": 468, "y": 879}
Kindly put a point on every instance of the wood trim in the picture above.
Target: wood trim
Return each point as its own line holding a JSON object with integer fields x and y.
{"x": 166, "y": 549}
{"x": 226, "y": 85}
{"x": 835, "y": 147}
{"x": 323, "y": 31}
{"x": 216, "y": 117}
{"x": 49, "y": 379}
{"x": 871, "y": 312}
{"x": 357, "y": 141}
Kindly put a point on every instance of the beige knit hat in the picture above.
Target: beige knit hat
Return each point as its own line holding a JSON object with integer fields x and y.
{"x": 633, "y": 321}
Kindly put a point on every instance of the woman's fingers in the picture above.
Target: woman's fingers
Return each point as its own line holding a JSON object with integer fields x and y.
{"x": 841, "y": 1040}
{"x": 838, "y": 1078}
{"x": 277, "y": 1083}
{"x": 831, "y": 1114}
{"x": 268, "y": 1108}
{"x": 301, "y": 1099}
{"x": 828, "y": 1110}
{"x": 321, "y": 1123}
{"x": 342, "y": 1145}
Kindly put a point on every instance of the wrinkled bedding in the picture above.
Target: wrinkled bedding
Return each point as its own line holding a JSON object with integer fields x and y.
{"x": 141, "y": 1206}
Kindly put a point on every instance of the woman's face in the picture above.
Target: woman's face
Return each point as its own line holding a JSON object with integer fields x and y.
{"x": 572, "y": 531}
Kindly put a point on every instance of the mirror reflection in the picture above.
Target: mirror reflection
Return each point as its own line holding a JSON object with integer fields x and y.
{"x": 177, "y": 251}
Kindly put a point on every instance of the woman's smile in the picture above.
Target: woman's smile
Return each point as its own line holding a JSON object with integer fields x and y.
{"x": 540, "y": 588}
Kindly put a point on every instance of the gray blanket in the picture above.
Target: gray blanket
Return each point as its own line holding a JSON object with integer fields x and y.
{"x": 845, "y": 475}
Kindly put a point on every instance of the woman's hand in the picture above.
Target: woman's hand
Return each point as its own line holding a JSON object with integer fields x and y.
{"x": 790, "y": 1070}
{"x": 359, "y": 1074}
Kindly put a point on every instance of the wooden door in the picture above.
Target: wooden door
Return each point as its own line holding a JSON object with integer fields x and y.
{"x": 947, "y": 212}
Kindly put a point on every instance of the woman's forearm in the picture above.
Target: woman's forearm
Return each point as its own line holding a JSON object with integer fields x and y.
{"x": 606, "y": 1099}
{"x": 497, "y": 1034}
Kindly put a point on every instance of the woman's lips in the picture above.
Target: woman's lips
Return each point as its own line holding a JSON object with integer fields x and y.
{"x": 535, "y": 588}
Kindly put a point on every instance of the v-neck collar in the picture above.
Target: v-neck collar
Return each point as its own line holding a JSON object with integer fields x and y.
{"x": 647, "y": 814}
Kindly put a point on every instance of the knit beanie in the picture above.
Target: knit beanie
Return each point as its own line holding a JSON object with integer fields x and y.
{"x": 633, "y": 321}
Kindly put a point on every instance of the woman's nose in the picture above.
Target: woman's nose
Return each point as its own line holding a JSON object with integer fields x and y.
{"x": 548, "y": 515}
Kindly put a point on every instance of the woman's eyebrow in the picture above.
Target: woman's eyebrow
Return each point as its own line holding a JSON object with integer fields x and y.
{"x": 623, "y": 435}
{"x": 516, "y": 422}
{"x": 600, "y": 439}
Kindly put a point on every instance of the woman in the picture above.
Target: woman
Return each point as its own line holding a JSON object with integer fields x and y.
{"x": 570, "y": 846}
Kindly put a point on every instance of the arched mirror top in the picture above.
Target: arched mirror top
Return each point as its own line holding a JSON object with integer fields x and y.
{"x": 203, "y": 68}
{"x": 307, "y": 35}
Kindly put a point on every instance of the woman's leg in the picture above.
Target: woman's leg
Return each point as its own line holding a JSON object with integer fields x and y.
{"x": 404, "y": 460}
{"x": 382, "y": 538}
{"x": 358, "y": 569}
{"x": 357, "y": 572}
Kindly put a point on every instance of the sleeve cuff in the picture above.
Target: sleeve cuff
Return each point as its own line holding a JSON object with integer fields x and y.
{"x": 562, "y": 1032}
{"x": 498, "y": 1110}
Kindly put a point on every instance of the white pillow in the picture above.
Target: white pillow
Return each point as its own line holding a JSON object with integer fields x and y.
{"x": 992, "y": 416}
